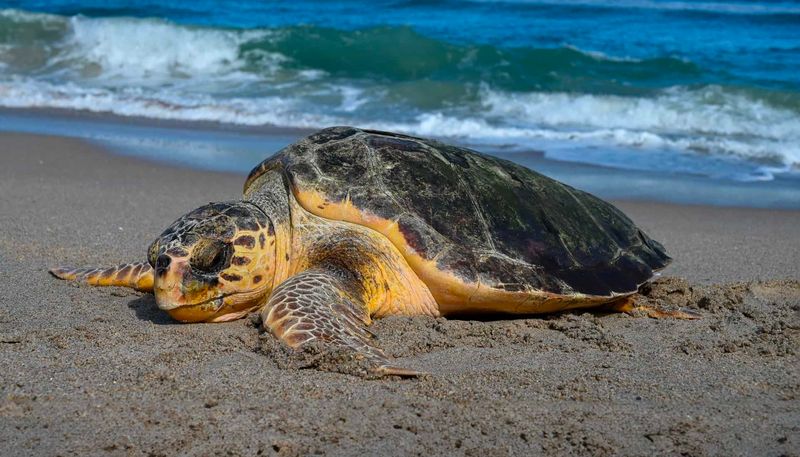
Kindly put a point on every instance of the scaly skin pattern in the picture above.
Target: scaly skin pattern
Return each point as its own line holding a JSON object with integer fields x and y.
{"x": 316, "y": 305}
{"x": 349, "y": 225}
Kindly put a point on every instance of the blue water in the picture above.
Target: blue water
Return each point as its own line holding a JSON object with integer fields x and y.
{"x": 708, "y": 89}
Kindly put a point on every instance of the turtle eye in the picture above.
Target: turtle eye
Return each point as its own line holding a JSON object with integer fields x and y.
{"x": 210, "y": 256}
{"x": 152, "y": 254}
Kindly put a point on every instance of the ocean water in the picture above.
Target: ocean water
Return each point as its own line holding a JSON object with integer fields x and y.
{"x": 708, "y": 89}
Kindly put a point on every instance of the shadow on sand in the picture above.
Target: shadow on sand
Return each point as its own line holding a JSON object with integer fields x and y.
{"x": 146, "y": 309}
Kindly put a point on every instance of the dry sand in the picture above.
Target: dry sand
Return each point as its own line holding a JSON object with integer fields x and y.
{"x": 88, "y": 371}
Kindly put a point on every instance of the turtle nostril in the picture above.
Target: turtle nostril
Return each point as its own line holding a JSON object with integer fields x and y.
{"x": 162, "y": 263}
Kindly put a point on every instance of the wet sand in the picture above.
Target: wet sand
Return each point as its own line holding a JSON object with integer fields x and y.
{"x": 100, "y": 371}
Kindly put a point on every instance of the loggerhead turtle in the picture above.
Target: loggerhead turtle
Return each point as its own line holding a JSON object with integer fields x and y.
{"x": 348, "y": 225}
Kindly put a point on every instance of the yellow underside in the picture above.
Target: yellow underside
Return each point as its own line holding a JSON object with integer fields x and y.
{"x": 452, "y": 295}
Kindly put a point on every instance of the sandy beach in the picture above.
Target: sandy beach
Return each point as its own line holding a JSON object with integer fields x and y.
{"x": 101, "y": 371}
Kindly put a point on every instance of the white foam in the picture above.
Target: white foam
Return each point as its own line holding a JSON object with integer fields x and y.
{"x": 755, "y": 132}
{"x": 785, "y": 153}
{"x": 677, "y": 111}
{"x": 26, "y": 16}
{"x": 126, "y": 51}
{"x": 709, "y": 120}
{"x": 155, "y": 50}
{"x": 160, "y": 104}
{"x": 352, "y": 98}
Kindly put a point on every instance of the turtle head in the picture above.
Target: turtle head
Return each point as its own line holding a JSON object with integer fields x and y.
{"x": 214, "y": 264}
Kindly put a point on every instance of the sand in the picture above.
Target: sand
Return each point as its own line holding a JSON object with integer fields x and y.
{"x": 100, "y": 371}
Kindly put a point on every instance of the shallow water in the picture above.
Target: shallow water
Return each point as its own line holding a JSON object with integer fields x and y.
{"x": 238, "y": 149}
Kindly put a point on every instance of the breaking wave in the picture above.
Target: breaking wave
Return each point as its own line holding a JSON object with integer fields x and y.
{"x": 393, "y": 78}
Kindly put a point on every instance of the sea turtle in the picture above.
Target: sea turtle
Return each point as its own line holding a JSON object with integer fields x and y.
{"x": 348, "y": 225}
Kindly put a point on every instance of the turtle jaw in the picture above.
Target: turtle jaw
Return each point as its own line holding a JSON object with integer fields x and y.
{"x": 220, "y": 309}
{"x": 199, "y": 312}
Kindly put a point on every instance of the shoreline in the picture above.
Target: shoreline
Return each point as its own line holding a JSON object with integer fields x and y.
{"x": 101, "y": 371}
{"x": 235, "y": 148}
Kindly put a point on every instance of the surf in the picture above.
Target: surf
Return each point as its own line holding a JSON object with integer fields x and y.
{"x": 397, "y": 78}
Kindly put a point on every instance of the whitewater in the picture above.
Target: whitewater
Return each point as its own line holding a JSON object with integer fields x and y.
{"x": 613, "y": 106}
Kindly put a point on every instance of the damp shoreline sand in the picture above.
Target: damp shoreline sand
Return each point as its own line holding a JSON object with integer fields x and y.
{"x": 100, "y": 371}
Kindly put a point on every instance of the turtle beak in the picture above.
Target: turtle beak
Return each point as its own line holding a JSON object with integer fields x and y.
{"x": 182, "y": 295}
{"x": 201, "y": 312}
{"x": 168, "y": 280}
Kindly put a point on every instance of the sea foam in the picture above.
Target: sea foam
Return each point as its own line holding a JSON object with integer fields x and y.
{"x": 152, "y": 50}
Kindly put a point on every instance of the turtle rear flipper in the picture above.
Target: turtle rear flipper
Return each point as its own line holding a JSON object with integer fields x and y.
{"x": 317, "y": 307}
{"x": 138, "y": 275}
{"x": 628, "y": 305}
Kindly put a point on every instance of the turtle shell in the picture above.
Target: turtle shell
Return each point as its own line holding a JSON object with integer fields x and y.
{"x": 478, "y": 222}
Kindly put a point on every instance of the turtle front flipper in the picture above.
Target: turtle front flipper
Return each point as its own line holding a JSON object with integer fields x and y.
{"x": 138, "y": 275}
{"x": 319, "y": 305}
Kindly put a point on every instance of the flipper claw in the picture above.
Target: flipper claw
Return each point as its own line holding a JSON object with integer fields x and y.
{"x": 656, "y": 313}
{"x": 628, "y": 305}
